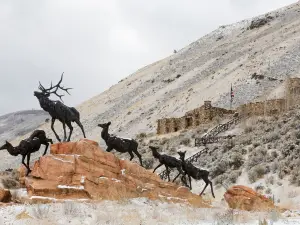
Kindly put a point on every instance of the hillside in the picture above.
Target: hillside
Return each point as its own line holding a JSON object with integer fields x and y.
{"x": 203, "y": 70}
{"x": 19, "y": 123}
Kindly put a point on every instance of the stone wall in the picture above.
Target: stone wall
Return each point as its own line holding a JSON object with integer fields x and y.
{"x": 292, "y": 92}
{"x": 266, "y": 108}
{"x": 274, "y": 106}
{"x": 202, "y": 115}
{"x": 206, "y": 113}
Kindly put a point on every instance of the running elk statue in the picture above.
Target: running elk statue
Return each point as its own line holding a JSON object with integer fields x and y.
{"x": 195, "y": 173}
{"x": 28, "y": 146}
{"x": 57, "y": 110}
{"x": 168, "y": 161}
{"x": 121, "y": 145}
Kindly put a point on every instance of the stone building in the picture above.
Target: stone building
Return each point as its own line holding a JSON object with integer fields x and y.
{"x": 202, "y": 115}
{"x": 206, "y": 113}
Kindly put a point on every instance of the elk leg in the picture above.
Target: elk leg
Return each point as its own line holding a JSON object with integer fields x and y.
{"x": 28, "y": 161}
{"x": 108, "y": 149}
{"x": 183, "y": 180}
{"x": 168, "y": 173}
{"x": 71, "y": 130}
{"x": 176, "y": 177}
{"x": 190, "y": 181}
{"x": 47, "y": 145}
{"x": 206, "y": 184}
{"x": 157, "y": 167}
{"x": 65, "y": 133}
{"x": 139, "y": 156}
{"x": 180, "y": 172}
{"x": 81, "y": 127}
{"x": 211, "y": 187}
{"x": 23, "y": 162}
{"x": 52, "y": 127}
{"x": 131, "y": 155}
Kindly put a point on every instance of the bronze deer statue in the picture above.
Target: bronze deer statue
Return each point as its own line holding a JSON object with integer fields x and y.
{"x": 57, "y": 110}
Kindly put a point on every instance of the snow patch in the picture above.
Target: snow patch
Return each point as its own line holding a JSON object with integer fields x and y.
{"x": 123, "y": 171}
{"x": 82, "y": 179}
{"x": 116, "y": 180}
{"x": 65, "y": 161}
{"x": 71, "y": 187}
{"x": 42, "y": 197}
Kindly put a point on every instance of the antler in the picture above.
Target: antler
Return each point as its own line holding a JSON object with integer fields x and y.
{"x": 56, "y": 87}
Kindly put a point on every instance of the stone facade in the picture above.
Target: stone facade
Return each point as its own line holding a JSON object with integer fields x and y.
{"x": 274, "y": 106}
{"x": 206, "y": 113}
{"x": 292, "y": 92}
{"x": 202, "y": 115}
{"x": 266, "y": 108}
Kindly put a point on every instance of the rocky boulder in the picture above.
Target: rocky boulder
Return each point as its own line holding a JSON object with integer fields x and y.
{"x": 82, "y": 170}
{"x": 5, "y": 196}
{"x": 245, "y": 198}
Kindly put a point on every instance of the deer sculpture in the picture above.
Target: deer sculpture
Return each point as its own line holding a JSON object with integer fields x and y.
{"x": 121, "y": 145}
{"x": 168, "y": 161}
{"x": 195, "y": 173}
{"x": 28, "y": 146}
{"x": 57, "y": 110}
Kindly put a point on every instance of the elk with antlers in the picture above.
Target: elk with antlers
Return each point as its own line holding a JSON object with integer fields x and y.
{"x": 57, "y": 110}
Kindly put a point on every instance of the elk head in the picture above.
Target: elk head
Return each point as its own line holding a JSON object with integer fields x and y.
{"x": 46, "y": 92}
{"x": 154, "y": 151}
{"x": 181, "y": 155}
{"x": 104, "y": 125}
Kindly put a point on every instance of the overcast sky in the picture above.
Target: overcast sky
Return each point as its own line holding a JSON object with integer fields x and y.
{"x": 96, "y": 43}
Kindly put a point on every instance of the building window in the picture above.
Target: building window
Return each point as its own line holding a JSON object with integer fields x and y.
{"x": 189, "y": 122}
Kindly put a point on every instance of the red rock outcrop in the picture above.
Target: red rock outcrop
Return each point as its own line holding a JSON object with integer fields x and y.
{"x": 82, "y": 170}
{"x": 5, "y": 196}
{"x": 245, "y": 198}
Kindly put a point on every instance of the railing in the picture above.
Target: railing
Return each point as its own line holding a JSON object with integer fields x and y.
{"x": 208, "y": 138}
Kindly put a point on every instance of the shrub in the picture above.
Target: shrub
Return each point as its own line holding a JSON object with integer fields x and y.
{"x": 268, "y": 191}
{"x": 270, "y": 137}
{"x": 259, "y": 187}
{"x": 164, "y": 141}
{"x": 9, "y": 183}
{"x": 221, "y": 168}
{"x": 270, "y": 180}
{"x": 236, "y": 160}
{"x": 274, "y": 154}
{"x": 220, "y": 179}
{"x": 246, "y": 141}
{"x": 256, "y": 173}
{"x": 256, "y": 144}
{"x": 228, "y": 146}
{"x": 248, "y": 129}
{"x": 295, "y": 177}
{"x": 185, "y": 141}
{"x": 233, "y": 176}
{"x": 142, "y": 135}
{"x": 148, "y": 163}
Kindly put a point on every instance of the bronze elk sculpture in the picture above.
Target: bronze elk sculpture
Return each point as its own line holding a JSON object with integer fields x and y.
{"x": 120, "y": 144}
{"x": 28, "y": 146}
{"x": 57, "y": 110}
{"x": 195, "y": 173}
